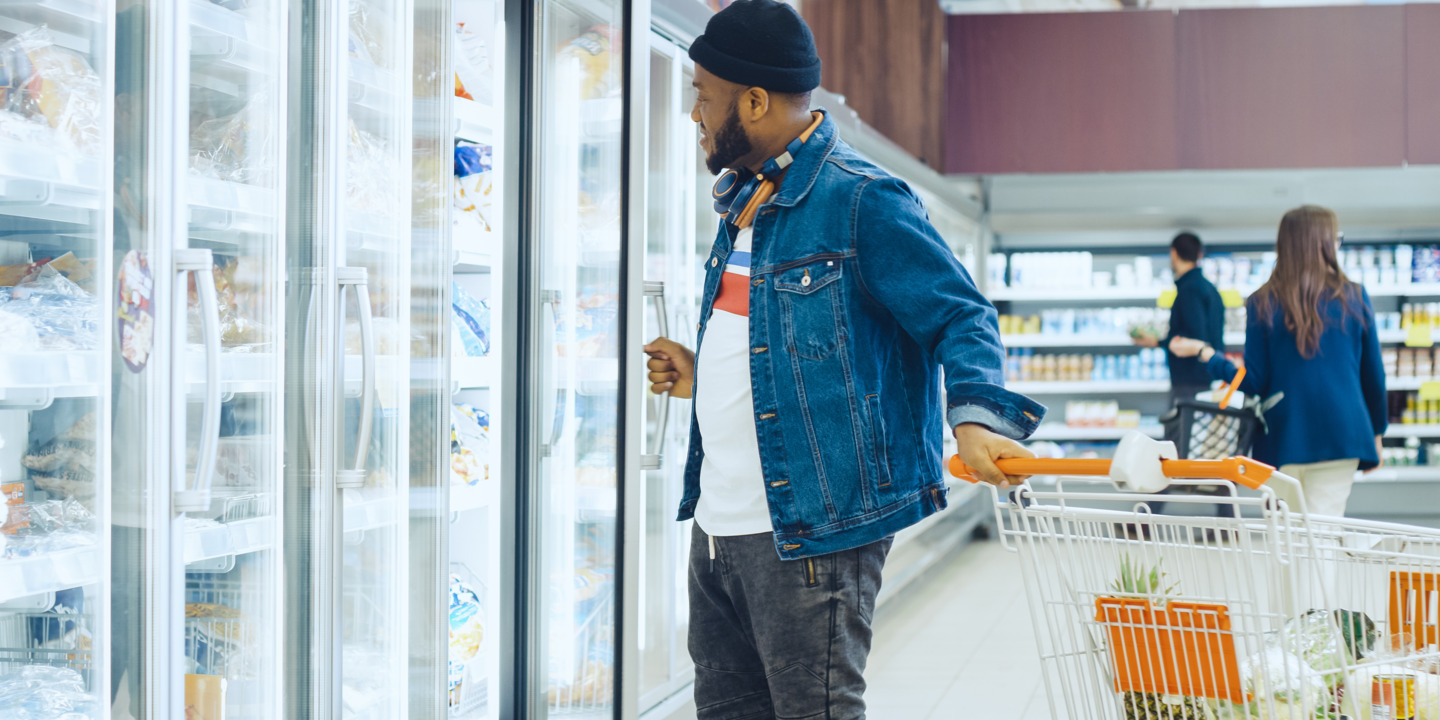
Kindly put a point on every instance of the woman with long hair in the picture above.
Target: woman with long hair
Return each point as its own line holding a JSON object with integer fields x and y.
{"x": 1310, "y": 334}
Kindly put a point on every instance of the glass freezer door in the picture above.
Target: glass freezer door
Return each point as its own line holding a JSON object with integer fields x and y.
{"x": 574, "y": 402}
{"x": 56, "y": 62}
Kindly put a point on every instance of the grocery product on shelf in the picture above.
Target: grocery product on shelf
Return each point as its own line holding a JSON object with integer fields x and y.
{"x": 47, "y": 692}
{"x": 469, "y": 445}
{"x": 593, "y": 54}
{"x": 239, "y": 147}
{"x": 474, "y": 187}
{"x": 1024, "y": 365}
{"x": 1105, "y": 413}
{"x": 473, "y": 68}
{"x": 467, "y": 630}
{"x": 61, "y": 313}
{"x": 366, "y": 40}
{"x": 49, "y": 526}
{"x": 595, "y": 329}
{"x": 40, "y": 82}
{"x": 238, "y": 329}
{"x": 370, "y": 173}
{"x": 65, "y": 465}
{"x": 471, "y": 318}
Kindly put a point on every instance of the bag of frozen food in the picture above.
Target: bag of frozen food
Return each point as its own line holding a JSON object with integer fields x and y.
{"x": 237, "y": 148}
{"x": 62, "y": 313}
{"x": 469, "y": 444}
{"x": 473, "y": 71}
{"x": 474, "y": 186}
{"x": 49, "y": 82}
{"x": 472, "y": 318}
{"x": 595, "y": 56}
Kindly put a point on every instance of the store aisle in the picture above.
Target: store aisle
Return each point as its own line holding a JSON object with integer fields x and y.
{"x": 958, "y": 643}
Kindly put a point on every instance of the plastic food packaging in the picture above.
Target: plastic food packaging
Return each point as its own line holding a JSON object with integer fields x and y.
{"x": 469, "y": 445}
{"x": 474, "y": 186}
{"x": 65, "y": 466}
{"x": 237, "y": 328}
{"x": 370, "y": 173}
{"x": 473, "y": 69}
{"x": 472, "y": 321}
{"x": 238, "y": 148}
{"x": 44, "y": 82}
{"x": 46, "y": 692}
{"x": 467, "y": 630}
{"x": 366, "y": 41}
{"x": 593, "y": 54}
{"x": 62, "y": 313}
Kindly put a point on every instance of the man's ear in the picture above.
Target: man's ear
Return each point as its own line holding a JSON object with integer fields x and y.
{"x": 754, "y": 104}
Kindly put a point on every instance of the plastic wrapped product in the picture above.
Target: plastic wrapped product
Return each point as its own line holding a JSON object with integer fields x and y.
{"x": 369, "y": 174}
{"x": 473, "y": 69}
{"x": 467, "y": 630}
{"x": 366, "y": 42}
{"x": 469, "y": 445}
{"x": 238, "y": 148}
{"x": 474, "y": 186}
{"x": 594, "y": 55}
{"x": 53, "y": 84}
{"x": 62, "y": 313}
{"x": 46, "y": 692}
{"x": 472, "y": 317}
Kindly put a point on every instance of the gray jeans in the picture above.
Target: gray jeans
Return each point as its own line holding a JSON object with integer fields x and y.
{"x": 776, "y": 639}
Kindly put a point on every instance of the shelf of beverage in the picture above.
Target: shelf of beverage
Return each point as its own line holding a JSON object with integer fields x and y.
{"x": 237, "y": 537}
{"x": 463, "y": 498}
{"x": 45, "y": 190}
{"x": 1399, "y": 430}
{"x": 474, "y": 373}
{"x": 1153, "y": 292}
{"x": 1412, "y": 473}
{"x": 369, "y": 508}
{"x": 1058, "y": 431}
{"x": 73, "y": 23}
{"x": 1089, "y": 340}
{"x": 50, "y": 571}
{"x": 1089, "y": 387}
{"x": 227, "y": 50}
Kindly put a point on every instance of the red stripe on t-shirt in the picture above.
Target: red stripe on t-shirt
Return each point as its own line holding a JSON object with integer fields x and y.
{"x": 734, "y": 295}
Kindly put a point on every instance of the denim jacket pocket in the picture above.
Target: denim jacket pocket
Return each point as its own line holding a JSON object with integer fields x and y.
{"x": 879, "y": 441}
{"x": 809, "y": 294}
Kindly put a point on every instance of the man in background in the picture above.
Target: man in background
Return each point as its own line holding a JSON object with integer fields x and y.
{"x": 1198, "y": 313}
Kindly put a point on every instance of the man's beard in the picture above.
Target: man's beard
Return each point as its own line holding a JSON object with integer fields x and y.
{"x": 730, "y": 141}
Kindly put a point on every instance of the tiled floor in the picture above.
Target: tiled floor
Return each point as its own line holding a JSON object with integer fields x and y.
{"x": 956, "y": 645}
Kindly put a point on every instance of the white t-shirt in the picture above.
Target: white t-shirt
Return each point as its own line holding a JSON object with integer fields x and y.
{"x": 732, "y": 485}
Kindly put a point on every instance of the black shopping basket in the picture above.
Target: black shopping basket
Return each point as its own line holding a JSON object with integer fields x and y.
{"x": 1206, "y": 431}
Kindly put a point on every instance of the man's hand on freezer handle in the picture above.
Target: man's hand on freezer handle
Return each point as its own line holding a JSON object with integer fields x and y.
{"x": 979, "y": 447}
{"x": 672, "y": 368}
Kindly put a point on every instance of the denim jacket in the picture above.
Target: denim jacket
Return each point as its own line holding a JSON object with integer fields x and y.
{"x": 856, "y": 305}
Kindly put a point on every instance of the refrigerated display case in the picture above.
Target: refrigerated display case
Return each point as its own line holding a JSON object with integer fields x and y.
{"x": 57, "y": 61}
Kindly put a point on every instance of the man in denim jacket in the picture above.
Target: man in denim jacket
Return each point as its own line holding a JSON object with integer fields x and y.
{"x": 830, "y": 309}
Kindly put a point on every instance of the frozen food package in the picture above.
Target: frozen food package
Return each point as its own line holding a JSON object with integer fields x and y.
{"x": 46, "y": 692}
{"x": 65, "y": 465}
{"x": 236, "y": 305}
{"x": 466, "y": 630}
{"x": 474, "y": 186}
{"x": 62, "y": 313}
{"x": 469, "y": 445}
{"x": 204, "y": 697}
{"x": 47, "y": 82}
{"x": 473, "y": 68}
{"x": 369, "y": 173}
{"x": 472, "y": 317}
{"x": 595, "y": 56}
{"x": 237, "y": 148}
{"x": 20, "y": 335}
{"x": 366, "y": 40}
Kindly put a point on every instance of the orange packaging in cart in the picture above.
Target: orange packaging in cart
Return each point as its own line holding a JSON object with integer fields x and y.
{"x": 204, "y": 697}
{"x": 16, "y": 515}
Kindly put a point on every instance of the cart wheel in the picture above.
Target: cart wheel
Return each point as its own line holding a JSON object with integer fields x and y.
{"x": 982, "y": 532}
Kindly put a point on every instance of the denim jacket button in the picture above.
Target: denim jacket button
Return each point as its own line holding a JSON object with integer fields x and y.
{"x": 714, "y": 261}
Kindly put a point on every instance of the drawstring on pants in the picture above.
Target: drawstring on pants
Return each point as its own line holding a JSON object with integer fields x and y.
{"x": 712, "y": 552}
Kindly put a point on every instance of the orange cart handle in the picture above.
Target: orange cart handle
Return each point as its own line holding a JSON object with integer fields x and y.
{"x": 1230, "y": 389}
{"x": 1239, "y": 470}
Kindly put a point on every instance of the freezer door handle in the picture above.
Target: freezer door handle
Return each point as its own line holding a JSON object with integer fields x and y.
{"x": 200, "y": 262}
{"x": 359, "y": 279}
{"x": 654, "y": 460}
{"x": 550, "y": 389}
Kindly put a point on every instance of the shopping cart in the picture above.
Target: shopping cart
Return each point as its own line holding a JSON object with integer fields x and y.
{"x": 1270, "y": 614}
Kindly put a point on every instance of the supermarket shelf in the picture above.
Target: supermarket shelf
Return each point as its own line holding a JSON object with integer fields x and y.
{"x": 31, "y": 380}
{"x": 1418, "y": 473}
{"x": 224, "y": 54}
{"x": 600, "y": 119}
{"x": 372, "y": 232}
{"x": 47, "y": 572}
{"x": 1056, "y": 431}
{"x": 474, "y": 122}
{"x": 1408, "y": 431}
{"x": 1090, "y": 388}
{"x": 239, "y": 537}
{"x": 49, "y": 189}
{"x": 1152, "y": 293}
{"x": 239, "y": 372}
{"x": 1088, "y": 341}
{"x": 463, "y": 498}
{"x": 474, "y": 373}
{"x": 217, "y": 207}
{"x": 369, "y": 508}
{"x": 1407, "y": 383}
{"x": 372, "y": 94}
{"x": 470, "y": 261}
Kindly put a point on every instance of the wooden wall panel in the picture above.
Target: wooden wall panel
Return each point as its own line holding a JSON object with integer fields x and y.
{"x": 1422, "y": 72}
{"x": 1291, "y": 87}
{"x": 887, "y": 59}
{"x": 1083, "y": 92}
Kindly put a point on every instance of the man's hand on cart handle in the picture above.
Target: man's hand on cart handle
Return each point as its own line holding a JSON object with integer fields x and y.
{"x": 979, "y": 447}
{"x": 672, "y": 368}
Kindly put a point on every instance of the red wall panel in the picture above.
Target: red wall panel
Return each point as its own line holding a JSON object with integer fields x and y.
{"x": 1422, "y": 73}
{"x": 1081, "y": 92}
{"x": 1292, "y": 87}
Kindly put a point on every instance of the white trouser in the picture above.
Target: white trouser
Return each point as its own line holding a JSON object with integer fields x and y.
{"x": 1326, "y": 485}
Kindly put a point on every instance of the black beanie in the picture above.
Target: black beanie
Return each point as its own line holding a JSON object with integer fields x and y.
{"x": 760, "y": 43}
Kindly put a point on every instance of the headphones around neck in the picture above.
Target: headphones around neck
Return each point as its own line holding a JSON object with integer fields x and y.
{"x": 740, "y": 187}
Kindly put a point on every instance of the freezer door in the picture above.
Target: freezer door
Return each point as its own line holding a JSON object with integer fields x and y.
{"x": 572, "y": 402}
{"x": 56, "y": 163}
{"x": 348, "y": 397}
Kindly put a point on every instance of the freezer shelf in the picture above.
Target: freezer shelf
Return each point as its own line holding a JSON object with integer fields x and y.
{"x": 32, "y": 379}
{"x": 463, "y": 498}
{"x": 474, "y": 122}
{"x": 223, "y": 53}
{"x": 220, "y": 205}
{"x": 71, "y": 22}
{"x": 239, "y": 372}
{"x": 371, "y": 95}
{"x": 48, "y": 187}
{"x": 369, "y": 508}
{"x": 238, "y": 537}
{"x": 75, "y": 567}
{"x": 474, "y": 373}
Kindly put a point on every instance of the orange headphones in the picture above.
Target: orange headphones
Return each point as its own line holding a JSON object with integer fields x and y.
{"x": 739, "y": 186}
